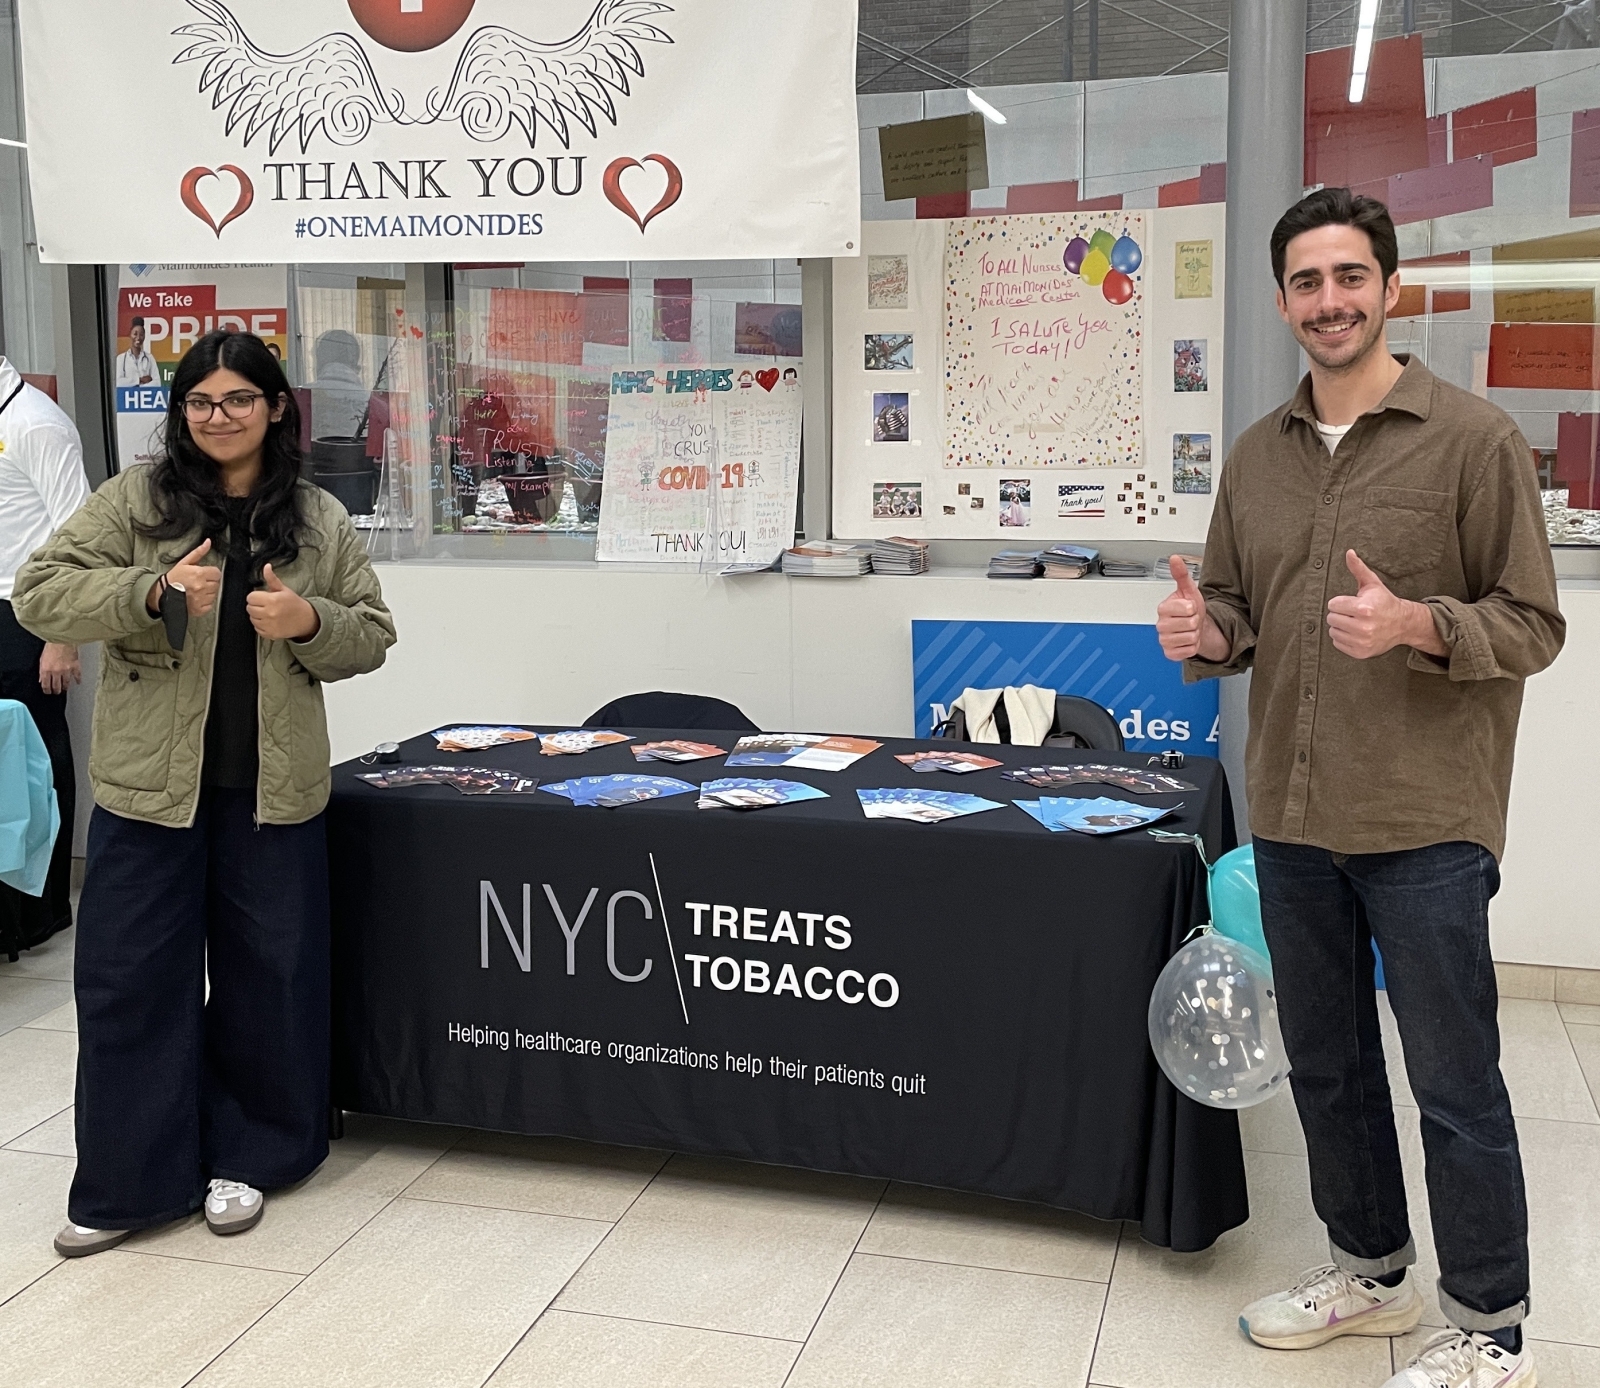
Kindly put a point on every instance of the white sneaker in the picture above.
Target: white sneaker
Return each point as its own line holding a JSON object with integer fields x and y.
{"x": 1329, "y": 1302}
{"x": 1454, "y": 1359}
{"x": 232, "y": 1207}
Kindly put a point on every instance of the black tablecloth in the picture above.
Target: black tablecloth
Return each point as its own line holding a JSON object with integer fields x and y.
{"x": 1016, "y": 963}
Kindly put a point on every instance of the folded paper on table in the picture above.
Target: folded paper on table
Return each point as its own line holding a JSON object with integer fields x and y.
{"x": 613, "y": 791}
{"x": 802, "y": 751}
{"x": 750, "y": 793}
{"x": 921, "y": 806}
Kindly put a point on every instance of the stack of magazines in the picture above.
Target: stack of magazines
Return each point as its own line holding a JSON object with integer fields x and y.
{"x": 828, "y": 559}
{"x": 898, "y": 555}
{"x": 1015, "y": 563}
{"x": 1068, "y": 561}
{"x": 1124, "y": 568}
{"x": 1190, "y": 561}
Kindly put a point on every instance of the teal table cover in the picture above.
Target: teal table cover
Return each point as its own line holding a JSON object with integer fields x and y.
{"x": 29, "y": 816}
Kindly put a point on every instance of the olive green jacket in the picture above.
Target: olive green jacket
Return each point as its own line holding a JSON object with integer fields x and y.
{"x": 90, "y": 582}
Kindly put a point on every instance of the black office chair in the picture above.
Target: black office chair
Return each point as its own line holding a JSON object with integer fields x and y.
{"x": 663, "y": 710}
{"x": 1079, "y": 723}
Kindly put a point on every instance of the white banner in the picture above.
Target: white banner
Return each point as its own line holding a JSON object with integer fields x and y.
{"x": 696, "y": 451}
{"x": 439, "y": 130}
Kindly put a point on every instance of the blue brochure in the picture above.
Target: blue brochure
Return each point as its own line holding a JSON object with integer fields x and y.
{"x": 748, "y": 793}
{"x": 611, "y": 791}
{"x": 1098, "y": 816}
{"x": 921, "y": 806}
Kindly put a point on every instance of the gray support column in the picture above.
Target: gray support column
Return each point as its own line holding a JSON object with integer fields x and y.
{"x": 1266, "y": 118}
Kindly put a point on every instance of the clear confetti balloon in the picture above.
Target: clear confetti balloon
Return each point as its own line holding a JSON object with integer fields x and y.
{"x": 1214, "y": 1024}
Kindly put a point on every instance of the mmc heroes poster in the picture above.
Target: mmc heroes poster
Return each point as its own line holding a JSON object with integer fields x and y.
{"x": 162, "y": 311}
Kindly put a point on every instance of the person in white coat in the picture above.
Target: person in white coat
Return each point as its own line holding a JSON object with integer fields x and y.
{"x": 136, "y": 367}
{"x": 42, "y": 482}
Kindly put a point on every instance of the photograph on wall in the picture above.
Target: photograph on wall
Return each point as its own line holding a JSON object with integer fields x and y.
{"x": 1191, "y": 464}
{"x": 1191, "y": 270}
{"x": 1016, "y": 502}
{"x": 891, "y": 417}
{"x": 888, "y": 352}
{"x": 1076, "y": 500}
{"x": 767, "y": 330}
{"x": 1044, "y": 327}
{"x": 1189, "y": 364}
{"x": 897, "y": 501}
{"x": 888, "y": 281}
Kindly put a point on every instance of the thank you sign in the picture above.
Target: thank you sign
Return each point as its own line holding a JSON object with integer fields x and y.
{"x": 429, "y": 130}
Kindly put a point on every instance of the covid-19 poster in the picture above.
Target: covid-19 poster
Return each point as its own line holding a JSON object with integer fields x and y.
{"x": 162, "y": 311}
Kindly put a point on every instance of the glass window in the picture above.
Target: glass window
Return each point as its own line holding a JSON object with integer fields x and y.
{"x": 460, "y": 411}
{"x": 1480, "y": 128}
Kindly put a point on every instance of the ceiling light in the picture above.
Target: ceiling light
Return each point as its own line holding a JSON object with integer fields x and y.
{"x": 989, "y": 112}
{"x": 15, "y": 144}
{"x": 1365, "y": 24}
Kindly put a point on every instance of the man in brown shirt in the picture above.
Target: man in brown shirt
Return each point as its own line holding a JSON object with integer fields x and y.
{"x": 1378, "y": 558}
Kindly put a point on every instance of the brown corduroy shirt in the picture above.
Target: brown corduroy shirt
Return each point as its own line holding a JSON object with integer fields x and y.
{"x": 1436, "y": 490}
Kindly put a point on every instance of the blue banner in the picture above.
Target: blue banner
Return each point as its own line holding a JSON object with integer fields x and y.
{"x": 1118, "y": 665}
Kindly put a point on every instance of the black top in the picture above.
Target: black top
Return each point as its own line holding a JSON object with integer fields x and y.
{"x": 231, "y": 757}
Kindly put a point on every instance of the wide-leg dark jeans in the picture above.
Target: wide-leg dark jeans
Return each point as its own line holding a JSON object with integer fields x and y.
{"x": 1428, "y": 910}
{"x": 174, "y": 1088}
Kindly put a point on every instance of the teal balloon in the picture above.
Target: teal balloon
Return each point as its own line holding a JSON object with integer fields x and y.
{"x": 1072, "y": 260}
{"x": 1126, "y": 255}
{"x": 1236, "y": 899}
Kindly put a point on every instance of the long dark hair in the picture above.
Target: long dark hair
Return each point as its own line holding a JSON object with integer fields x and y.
{"x": 186, "y": 485}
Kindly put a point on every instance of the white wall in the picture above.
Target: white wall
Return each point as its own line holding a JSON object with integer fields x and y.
{"x": 553, "y": 644}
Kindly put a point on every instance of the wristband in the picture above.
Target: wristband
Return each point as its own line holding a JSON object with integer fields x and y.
{"x": 174, "y": 607}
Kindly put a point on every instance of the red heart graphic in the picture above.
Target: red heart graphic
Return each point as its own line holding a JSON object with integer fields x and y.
{"x": 416, "y": 332}
{"x": 619, "y": 200}
{"x": 191, "y": 199}
{"x": 768, "y": 378}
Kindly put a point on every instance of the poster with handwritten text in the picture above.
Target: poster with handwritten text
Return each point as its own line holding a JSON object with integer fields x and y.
{"x": 1044, "y": 330}
{"x": 694, "y": 453}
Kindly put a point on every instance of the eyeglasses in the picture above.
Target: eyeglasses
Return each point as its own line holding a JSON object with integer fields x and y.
{"x": 240, "y": 404}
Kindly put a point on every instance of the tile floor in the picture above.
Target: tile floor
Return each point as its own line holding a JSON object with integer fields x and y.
{"x": 434, "y": 1257}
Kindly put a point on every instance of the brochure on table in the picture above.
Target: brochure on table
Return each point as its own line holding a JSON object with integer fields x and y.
{"x": 985, "y": 390}
{"x": 702, "y": 465}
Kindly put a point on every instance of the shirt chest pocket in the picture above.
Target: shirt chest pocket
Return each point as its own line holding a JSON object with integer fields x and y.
{"x": 1404, "y": 530}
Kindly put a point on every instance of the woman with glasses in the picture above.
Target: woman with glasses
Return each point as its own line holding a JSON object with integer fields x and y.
{"x": 226, "y": 591}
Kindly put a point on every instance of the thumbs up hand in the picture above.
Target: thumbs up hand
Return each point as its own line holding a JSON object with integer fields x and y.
{"x": 1182, "y": 626}
{"x": 1375, "y": 620}
{"x": 198, "y": 581}
{"x": 278, "y": 613}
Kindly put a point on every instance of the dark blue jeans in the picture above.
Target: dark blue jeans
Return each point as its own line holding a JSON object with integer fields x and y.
{"x": 1428, "y": 910}
{"x": 175, "y": 1088}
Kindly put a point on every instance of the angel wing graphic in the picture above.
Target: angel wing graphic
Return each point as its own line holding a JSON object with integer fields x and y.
{"x": 327, "y": 86}
{"x": 501, "y": 80}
